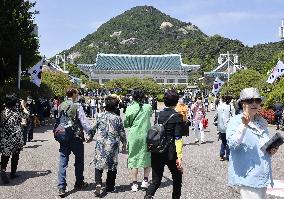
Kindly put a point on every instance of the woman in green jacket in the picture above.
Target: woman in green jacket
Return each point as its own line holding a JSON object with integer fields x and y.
{"x": 137, "y": 118}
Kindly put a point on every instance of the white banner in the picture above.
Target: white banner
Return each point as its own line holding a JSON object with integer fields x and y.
{"x": 278, "y": 71}
{"x": 217, "y": 86}
{"x": 35, "y": 73}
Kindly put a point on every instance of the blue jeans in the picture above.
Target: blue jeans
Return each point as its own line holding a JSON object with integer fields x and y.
{"x": 77, "y": 147}
{"x": 93, "y": 111}
{"x": 224, "y": 146}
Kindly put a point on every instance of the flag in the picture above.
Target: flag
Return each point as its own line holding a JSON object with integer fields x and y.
{"x": 35, "y": 73}
{"x": 217, "y": 85}
{"x": 278, "y": 71}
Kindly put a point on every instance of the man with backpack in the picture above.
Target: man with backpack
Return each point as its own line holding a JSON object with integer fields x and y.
{"x": 225, "y": 112}
{"x": 78, "y": 122}
{"x": 278, "y": 109}
{"x": 168, "y": 149}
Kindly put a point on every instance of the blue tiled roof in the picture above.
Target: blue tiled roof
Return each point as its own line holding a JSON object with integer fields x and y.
{"x": 135, "y": 62}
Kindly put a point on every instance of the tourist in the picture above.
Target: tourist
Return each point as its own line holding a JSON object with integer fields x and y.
{"x": 198, "y": 112}
{"x": 182, "y": 109}
{"x": 249, "y": 167}
{"x": 110, "y": 131}
{"x": 76, "y": 145}
{"x": 172, "y": 157}
{"x": 11, "y": 137}
{"x": 55, "y": 105}
{"x": 225, "y": 112}
{"x": 92, "y": 107}
{"x": 137, "y": 118}
{"x": 278, "y": 110}
{"x": 206, "y": 103}
{"x": 31, "y": 113}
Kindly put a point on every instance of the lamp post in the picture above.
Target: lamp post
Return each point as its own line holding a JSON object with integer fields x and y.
{"x": 90, "y": 76}
{"x": 230, "y": 60}
{"x": 62, "y": 58}
{"x": 281, "y": 30}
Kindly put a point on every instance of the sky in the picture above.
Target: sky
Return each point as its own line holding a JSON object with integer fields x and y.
{"x": 63, "y": 23}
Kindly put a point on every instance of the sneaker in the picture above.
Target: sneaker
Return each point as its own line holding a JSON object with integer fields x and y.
{"x": 202, "y": 142}
{"x": 82, "y": 185}
{"x": 134, "y": 187}
{"x": 98, "y": 190}
{"x": 144, "y": 185}
{"x": 196, "y": 141}
{"x": 222, "y": 158}
{"x": 61, "y": 192}
{"x": 4, "y": 177}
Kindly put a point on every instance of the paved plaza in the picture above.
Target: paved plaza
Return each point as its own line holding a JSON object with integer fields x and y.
{"x": 204, "y": 175}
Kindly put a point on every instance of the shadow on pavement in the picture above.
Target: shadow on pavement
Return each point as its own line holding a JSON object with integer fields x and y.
{"x": 40, "y": 140}
{"x": 32, "y": 146}
{"x": 24, "y": 175}
{"x": 188, "y": 144}
{"x": 48, "y": 126}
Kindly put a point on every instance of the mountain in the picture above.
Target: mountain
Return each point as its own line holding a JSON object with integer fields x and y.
{"x": 146, "y": 30}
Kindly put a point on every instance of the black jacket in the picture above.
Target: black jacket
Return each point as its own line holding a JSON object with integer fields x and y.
{"x": 278, "y": 108}
{"x": 174, "y": 128}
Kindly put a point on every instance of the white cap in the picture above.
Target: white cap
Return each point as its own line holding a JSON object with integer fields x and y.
{"x": 249, "y": 93}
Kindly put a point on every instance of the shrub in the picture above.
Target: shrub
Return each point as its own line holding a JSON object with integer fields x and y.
{"x": 160, "y": 97}
{"x": 268, "y": 114}
{"x": 243, "y": 79}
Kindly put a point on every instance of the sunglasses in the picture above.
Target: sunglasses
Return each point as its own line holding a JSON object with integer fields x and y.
{"x": 256, "y": 100}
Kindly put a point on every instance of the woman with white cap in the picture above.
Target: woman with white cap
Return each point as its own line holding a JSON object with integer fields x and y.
{"x": 249, "y": 167}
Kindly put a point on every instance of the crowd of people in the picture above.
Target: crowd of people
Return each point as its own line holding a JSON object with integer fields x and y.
{"x": 241, "y": 129}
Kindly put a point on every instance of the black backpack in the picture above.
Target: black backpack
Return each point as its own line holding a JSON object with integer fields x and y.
{"x": 157, "y": 141}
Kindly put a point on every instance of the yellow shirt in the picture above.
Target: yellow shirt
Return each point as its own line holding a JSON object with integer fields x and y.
{"x": 183, "y": 110}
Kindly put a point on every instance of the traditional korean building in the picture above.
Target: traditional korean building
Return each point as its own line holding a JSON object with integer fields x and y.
{"x": 164, "y": 69}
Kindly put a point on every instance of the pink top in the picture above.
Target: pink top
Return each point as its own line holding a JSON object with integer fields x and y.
{"x": 198, "y": 111}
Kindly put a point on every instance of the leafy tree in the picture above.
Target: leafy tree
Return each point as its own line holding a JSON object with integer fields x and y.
{"x": 126, "y": 84}
{"x": 275, "y": 94}
{"x": 244, "y": 79}
{"x": 56, "y": 82}
{"x": 16, "y": 37}
{"x": 73, "y": 70}
{"x": 93, "y": 85}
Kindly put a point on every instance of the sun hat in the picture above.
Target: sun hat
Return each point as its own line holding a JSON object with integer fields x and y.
{"x": 249, "y": 93}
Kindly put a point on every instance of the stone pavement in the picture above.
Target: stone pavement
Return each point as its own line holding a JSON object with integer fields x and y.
{"x": 204, "y": 175}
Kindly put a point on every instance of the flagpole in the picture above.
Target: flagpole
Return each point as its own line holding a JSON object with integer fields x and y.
{"x": 19, "y": 71}
{"x": 228, "y": 60}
